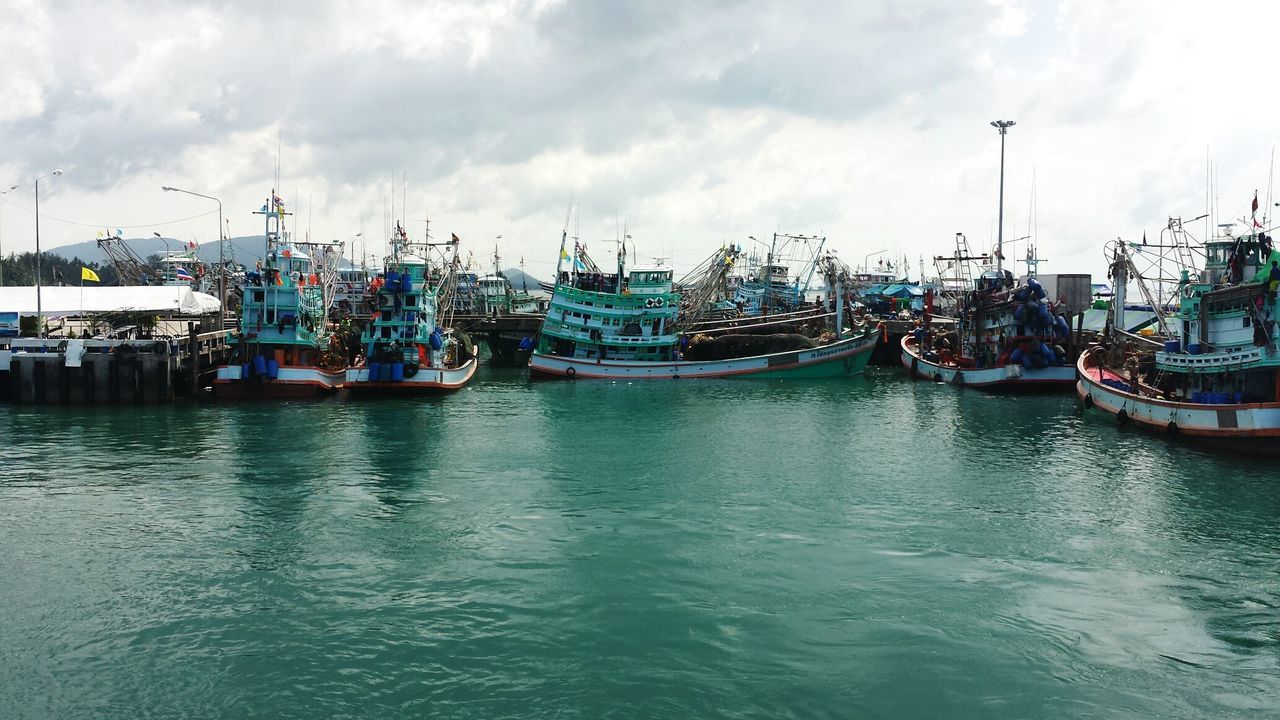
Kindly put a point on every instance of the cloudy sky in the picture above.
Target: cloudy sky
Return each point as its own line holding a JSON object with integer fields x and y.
{"x": 694, "y": 122}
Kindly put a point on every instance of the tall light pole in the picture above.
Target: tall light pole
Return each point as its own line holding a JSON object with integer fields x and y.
{"x": 222, "y": 258}
{"x": 39, "y": 307}
{"x": 2, "y": 194}
{"x": 1003, "y": 126}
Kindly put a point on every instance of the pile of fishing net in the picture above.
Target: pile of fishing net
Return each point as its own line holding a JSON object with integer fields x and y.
{"x": 726, "y": 347}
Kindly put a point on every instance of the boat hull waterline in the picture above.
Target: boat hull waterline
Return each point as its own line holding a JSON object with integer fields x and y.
{"x": 1001, "y": 377}
{"x": 1234, "y": 421}
{"x": 426, "y": 380}
{"x": 290, "y": 382}
{"x": 846, "y": 357}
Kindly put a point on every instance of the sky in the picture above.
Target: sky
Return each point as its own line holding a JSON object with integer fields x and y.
{"x": 690, "y": 123}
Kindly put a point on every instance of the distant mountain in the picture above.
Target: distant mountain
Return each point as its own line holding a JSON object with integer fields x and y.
{"x": 521, "y": 280}
{"x": 245, "y": 249}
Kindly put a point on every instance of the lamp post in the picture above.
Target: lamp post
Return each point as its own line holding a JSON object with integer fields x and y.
{"x": 1003, "y": 126}
{"x": 222, "y": 259}
{"x": 2, "y": 194}
{"x": 39, "y": 307}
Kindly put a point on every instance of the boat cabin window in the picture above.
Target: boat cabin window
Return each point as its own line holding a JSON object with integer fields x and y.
{"x": 654, "y": 277}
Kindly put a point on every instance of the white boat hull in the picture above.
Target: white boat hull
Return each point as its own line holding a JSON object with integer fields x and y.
{"x": 290, "y": 381}
{"x": 846, "y": 357}
{"x": 1001, "y": 377}
{"x": 1215, "y": 421}
{"x": 425, "y": 380}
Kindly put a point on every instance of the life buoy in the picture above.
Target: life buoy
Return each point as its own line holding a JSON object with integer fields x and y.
{"x": 659, "y": 302}
{"x": 571, "y": 371}
{"x": 649, "y": 303}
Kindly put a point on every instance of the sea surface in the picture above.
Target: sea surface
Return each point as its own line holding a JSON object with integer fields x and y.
{"x": 860, "y": 548}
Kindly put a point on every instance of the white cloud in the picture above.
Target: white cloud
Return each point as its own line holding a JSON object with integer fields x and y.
{"x": 699, "y": 121}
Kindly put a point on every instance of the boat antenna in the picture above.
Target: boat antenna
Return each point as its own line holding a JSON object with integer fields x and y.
{"x": 1270, "y": 176}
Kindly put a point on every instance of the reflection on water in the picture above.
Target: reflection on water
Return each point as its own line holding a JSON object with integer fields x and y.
{"x": 822, "y": 549}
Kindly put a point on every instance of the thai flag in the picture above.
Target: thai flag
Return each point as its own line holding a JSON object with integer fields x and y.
{"x": 182, "y": 274}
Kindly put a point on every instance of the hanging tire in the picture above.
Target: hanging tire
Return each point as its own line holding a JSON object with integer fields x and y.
{"x": 937, "y": 377}
{"x": 1122, "y": 418}
{"x": 915, "y": 368}
{"x": 1088, "y": 401}
{"x": 958, "y": 379}
{"x": 571, "y": 372}
{"x": 1171, "y": 429}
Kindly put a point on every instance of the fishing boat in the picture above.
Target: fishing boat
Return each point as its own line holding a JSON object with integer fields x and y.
{"x": 283, "y": 348}
{"x": 1216, "y": 375}
{"x": 408, "y": 346}
{"x": 627, "y": 324}
{"x": 1006, "y": 336}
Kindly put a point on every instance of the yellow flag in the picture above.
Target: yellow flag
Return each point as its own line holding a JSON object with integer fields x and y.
{"x": 87, "y": 274}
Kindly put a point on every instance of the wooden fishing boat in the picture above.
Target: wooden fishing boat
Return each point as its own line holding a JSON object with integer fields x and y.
{"x": 408, "y": 345}
{"x": 1217, "y": 374}
{"x": 283, "y": 347}
{"x": 625, "y": 325}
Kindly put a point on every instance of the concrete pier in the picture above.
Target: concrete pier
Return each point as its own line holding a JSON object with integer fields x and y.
{"x": 57, "y": 371}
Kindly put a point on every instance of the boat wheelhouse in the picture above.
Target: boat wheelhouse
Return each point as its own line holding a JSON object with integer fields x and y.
{"x": 1217, "y": 374}
{"x": 407, "y": 344}
{"x": 283, "y": 346}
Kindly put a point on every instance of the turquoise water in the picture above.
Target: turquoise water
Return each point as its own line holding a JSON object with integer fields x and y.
{"x": 869, "y": 548}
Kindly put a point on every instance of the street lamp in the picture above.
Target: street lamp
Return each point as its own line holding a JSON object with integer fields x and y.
{"x": 167, "y": 251}
{"x": 2, "y": 194}
{"x": 222, "y": 258}
{"x": 39, "y": 307}
{"x": 1003, "y": 126}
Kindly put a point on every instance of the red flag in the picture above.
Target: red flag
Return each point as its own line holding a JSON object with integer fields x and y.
{"x": 1255, "y": 201}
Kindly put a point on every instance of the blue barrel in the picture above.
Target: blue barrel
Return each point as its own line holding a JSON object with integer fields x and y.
{"x": 1197, "y": 396}
{"x": 373, "y": 370}
{"x": 246, "y": 371}
{"x": 1172, "y": 346}
{"x": 437, "y": 339}
{"x": 1193, "y": 348}
{"x": 273, "y": 369}
{"x": 406, "y": 282}
{"x": 259, "y": 365}
{"x": 397, "y": 372}
{"x": 392, "y": 279}
{"x": 1239, "y": 397}
{"x": 1221, "y": 398}
{"x": 384, "y": 372}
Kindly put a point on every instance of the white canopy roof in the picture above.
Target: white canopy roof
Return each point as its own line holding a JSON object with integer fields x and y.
{"x": 61, "y": 301}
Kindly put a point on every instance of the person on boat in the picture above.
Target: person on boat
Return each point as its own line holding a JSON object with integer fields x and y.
{"x": 1274, "y": 277}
